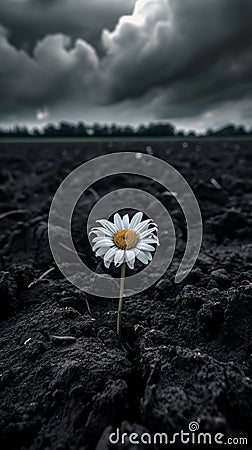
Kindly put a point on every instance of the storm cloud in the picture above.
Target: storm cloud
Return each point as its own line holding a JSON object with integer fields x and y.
{"x": 31, "y": 20}
{"x": 189, "y": 62}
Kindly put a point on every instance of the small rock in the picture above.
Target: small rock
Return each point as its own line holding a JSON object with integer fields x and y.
{"x": 212, "y": 285}
{"x": 195, "y": 275}
{"x": 221, "y": 277}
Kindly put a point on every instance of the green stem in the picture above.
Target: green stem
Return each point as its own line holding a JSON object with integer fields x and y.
{"x": 118, "y": 328}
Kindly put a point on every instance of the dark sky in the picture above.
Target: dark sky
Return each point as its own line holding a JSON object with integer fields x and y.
{"x": 126, "y": 61}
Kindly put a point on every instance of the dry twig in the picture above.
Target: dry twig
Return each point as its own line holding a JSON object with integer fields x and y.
{"x": 14, "y": 211}
{"x": 41, "y": 277}
{"x": 70, "y": 250}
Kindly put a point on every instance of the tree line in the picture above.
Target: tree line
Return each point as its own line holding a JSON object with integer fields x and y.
{"x": 82, "y": 130}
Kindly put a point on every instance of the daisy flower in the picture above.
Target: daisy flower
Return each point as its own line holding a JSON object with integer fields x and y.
{"x": 124, "y": 240}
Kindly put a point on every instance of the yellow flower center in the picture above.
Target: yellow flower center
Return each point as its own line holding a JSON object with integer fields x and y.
{"x": 125, "y": 239}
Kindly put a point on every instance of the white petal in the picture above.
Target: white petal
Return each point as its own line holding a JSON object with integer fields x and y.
{"x": 107, "y": 263}
{"x": 101, "y": 251}
{"x": 152, "y": 236}
{"x": 125, "y": 220}
{"x": 130, "y": 258}
{"x": 147, "y": 232}
{"x": 146, "y": 223}
{"x": 100, "y": 231}
{"x": 143, "y": 246}
{"x": 142, "y": 225}
{"x": 93, "y": 231}
{"x": 130, "y": 264}
{"x": 118, "y": 222}
{"x": 149, "y": 241}
{"x": 142, "y": 257}
{"x": 108, "y": 258}
{"x": 136, "y": 219}
{"x": 149, "y": 255}
{"x": 107, "y": 224}
{"x": 103, "y": 243}
{"x": 102, "y": 238}
{"x": 119, "y": 257}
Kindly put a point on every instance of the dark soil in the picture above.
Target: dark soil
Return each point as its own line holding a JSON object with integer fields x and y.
{"x": 186, "y": 353}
